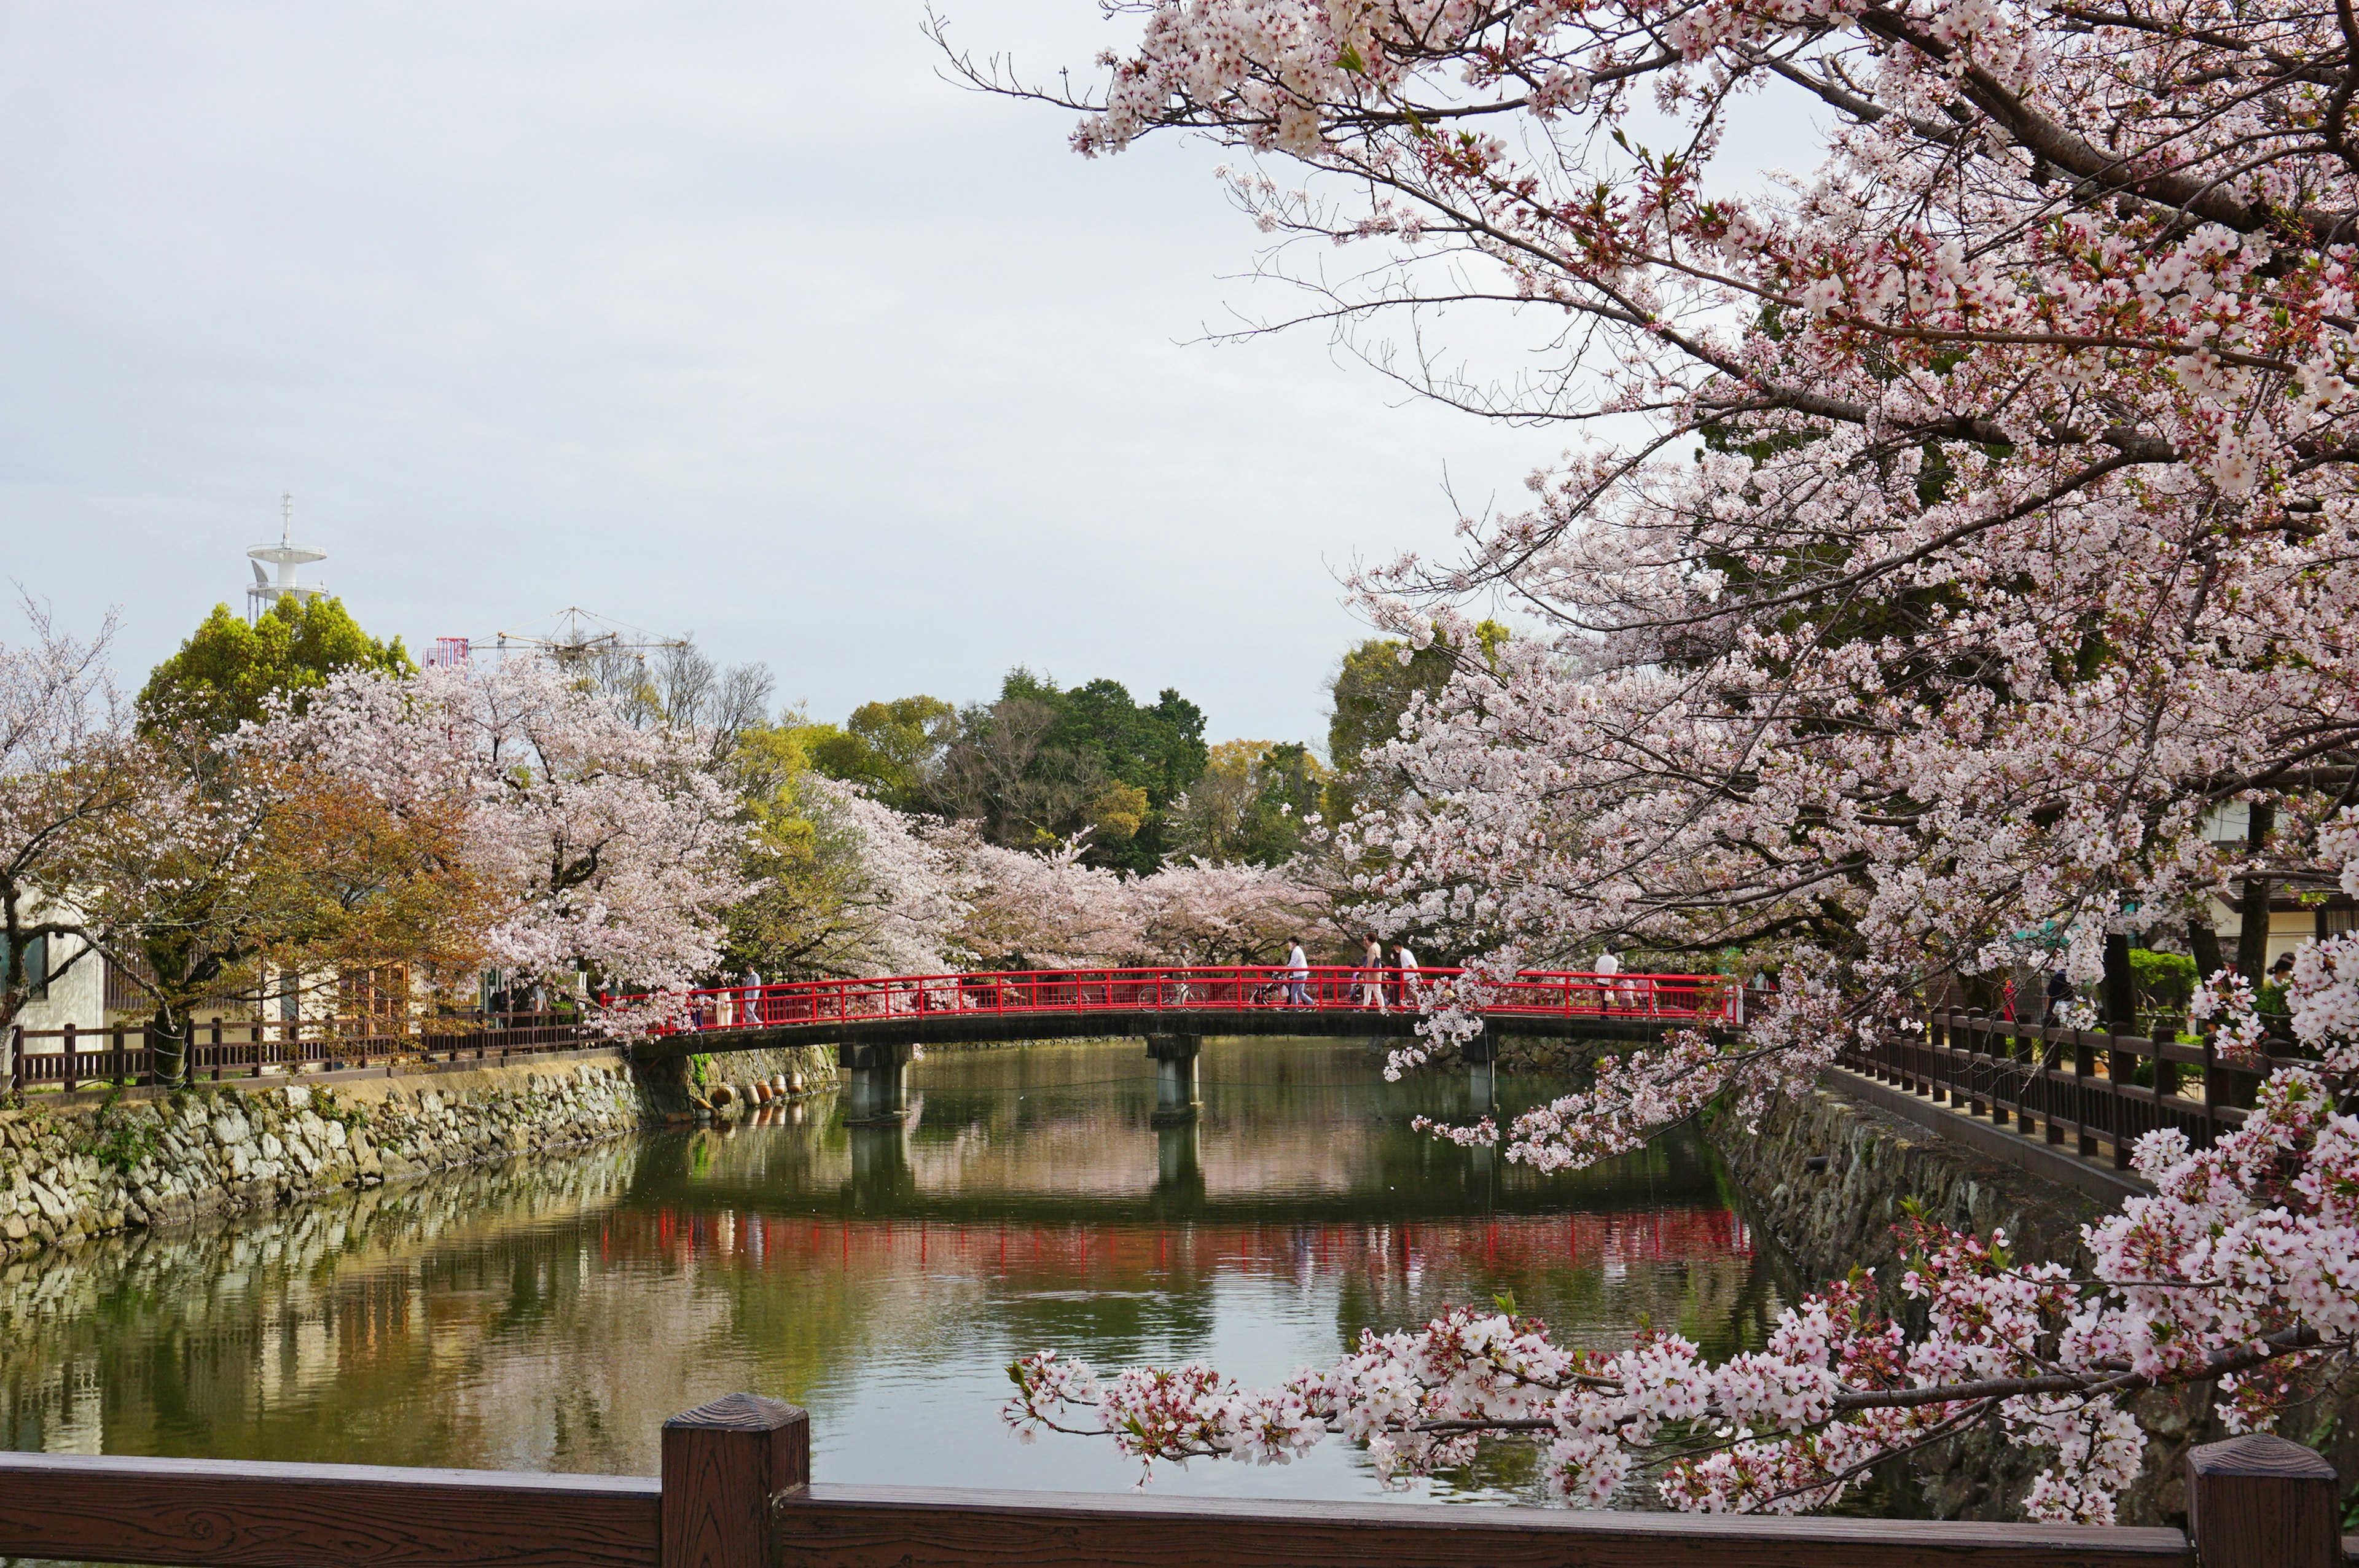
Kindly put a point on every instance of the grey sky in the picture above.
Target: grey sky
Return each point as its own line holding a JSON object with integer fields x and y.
{"x": 731, "y": 317}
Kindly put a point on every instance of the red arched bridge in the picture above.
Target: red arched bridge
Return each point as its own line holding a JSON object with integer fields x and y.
{"x": 874, "y": 1024}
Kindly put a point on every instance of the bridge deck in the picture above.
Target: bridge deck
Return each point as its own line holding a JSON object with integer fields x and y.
{"x": 1228, "y": 1000}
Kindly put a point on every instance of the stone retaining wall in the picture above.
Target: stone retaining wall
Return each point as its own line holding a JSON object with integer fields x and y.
{"x": 86, "y": 1165}
{"x": 86, "y": 1170}
{"x": 1518, "y": 1054}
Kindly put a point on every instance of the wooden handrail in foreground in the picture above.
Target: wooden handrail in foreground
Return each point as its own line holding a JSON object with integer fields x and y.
{"x": 735, "y": 1493}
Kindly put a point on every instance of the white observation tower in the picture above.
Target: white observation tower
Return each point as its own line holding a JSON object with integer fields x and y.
{"x": 286, "y": 555}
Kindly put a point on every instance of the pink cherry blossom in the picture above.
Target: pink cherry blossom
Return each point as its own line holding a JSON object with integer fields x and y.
{"x": 1949, "y": 531}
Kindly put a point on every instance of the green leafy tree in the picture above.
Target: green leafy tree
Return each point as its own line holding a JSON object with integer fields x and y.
{"x": 1370, "y": 692}
{"x": 893, "y": 749}
{"x": 1251, "y": 803}
{"x": 225, "y": 674}
{"x": 1043, "y": 763}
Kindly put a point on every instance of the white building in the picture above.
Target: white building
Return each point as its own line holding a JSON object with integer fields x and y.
{"x": 78, "y": 997}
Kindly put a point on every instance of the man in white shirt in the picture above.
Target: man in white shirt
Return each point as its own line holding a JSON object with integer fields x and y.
{"x": 1298, "y": 975}
{"x": 1406, "y": 962}
{"x": 1608, "y": 994}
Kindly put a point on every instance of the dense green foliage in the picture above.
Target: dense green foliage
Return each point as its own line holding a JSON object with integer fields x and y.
{"x": 893, "y": 749}
{"x": 227, "y": 672}
{"x": 2165, "y": 981}
{"x": 1251, "y": 804}
{"x": 1037, "y": 765}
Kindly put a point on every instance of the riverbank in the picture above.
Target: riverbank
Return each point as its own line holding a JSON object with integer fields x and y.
{"x": 83, "y": 1165}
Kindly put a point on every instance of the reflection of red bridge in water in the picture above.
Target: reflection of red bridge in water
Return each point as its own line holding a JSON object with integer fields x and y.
{"x": 1579, "y": 1241}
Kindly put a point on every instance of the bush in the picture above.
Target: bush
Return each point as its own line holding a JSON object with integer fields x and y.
{"x": 2165, "y": 981}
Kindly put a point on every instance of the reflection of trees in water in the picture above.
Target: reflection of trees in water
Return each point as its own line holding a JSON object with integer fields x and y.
{"x": 486, "y": 1318}
{"x": 220, "y": 1339}
{"x": 549, "y": 1313}
{"x": 1127, "y": 1288}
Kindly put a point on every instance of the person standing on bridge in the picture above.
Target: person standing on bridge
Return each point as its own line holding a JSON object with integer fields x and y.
{"x": 1297, "y": 975}
{"x": 1371, "y": 975}
{"x": 1406, "y": 962}
{"x": 1610, "y": 996}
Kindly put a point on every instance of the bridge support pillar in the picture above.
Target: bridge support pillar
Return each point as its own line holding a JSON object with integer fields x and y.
{"x": 877, "y": 1081}
{"x": 1481, "y": 1056}
{"x": 1175, "y": 1078}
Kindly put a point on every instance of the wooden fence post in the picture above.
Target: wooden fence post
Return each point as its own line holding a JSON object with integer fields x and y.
{"x": 1940, "y": 1055}
{"x": 2121, "y": 1069}
{"x": 2049, "y": 1090}
{"x": 722, "y": 1463}
{"x": 17, "y": 1059}
{"x": 2084, "y": 1067}
{"x": 2258, "y": 1502}
{"x": 69, "y": 1063}
{"x": 2214, "y": 1091}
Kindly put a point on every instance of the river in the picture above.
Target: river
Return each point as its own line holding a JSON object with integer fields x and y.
{"x": 548, "y": 1313}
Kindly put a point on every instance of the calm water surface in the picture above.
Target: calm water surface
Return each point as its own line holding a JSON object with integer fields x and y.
{"x": 546, "y": 1314}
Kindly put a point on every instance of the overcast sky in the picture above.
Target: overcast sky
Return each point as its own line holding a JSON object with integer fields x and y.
{"x": 731, "y": 318}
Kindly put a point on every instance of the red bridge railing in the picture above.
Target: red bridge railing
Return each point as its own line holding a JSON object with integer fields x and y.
{"x": 1670, "y": 1000}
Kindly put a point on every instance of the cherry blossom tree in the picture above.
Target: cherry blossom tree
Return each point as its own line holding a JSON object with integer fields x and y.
{"x": 319, "y": 841}
{"x": 1198, "y": 913}
{"x": 1950, "y": 532}
{"x": 509, "y": 815}
{"x": 1049, "y": 907}
{"x": 923, "y": 896}
{"x": 907, "y": 896}
{"x": 614, "y": 847}
{"x": 1981, "y": 529}
{"x": 59, "y": 775}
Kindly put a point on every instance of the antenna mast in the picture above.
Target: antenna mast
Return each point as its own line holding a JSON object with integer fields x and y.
{"x": 287, "y": 555}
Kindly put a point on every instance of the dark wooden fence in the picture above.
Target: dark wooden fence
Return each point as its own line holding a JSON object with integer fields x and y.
{"x": 70, "y": 1058}
{"x": 2080, "y": 1085}
{"x": 736, "y": 1492}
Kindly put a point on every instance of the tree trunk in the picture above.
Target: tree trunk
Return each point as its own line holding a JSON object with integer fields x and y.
{"x": 2203, "y": 941}
{"x": 171, "y": 1042}
{"x": 2121, "y": 987}
{"x": 2253, "y": 909}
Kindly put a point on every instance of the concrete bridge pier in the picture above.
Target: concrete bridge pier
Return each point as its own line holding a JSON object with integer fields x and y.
{"x": 1175, "y": 1078}
{"x": 877, "y": 1081}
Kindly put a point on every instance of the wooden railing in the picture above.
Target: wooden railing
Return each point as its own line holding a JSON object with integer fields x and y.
{"x": 2079, "y": 1085}
{"x": 736, "y": 1492}
{"x": 71, "y": 1058}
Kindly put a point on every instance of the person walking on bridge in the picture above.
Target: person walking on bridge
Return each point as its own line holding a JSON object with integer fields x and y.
{"x": 1612, "y": 995}
{"x": 1297, "y": 975}
{"x": 1371, "y": 975}
{"x": 1406, "y": 962}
